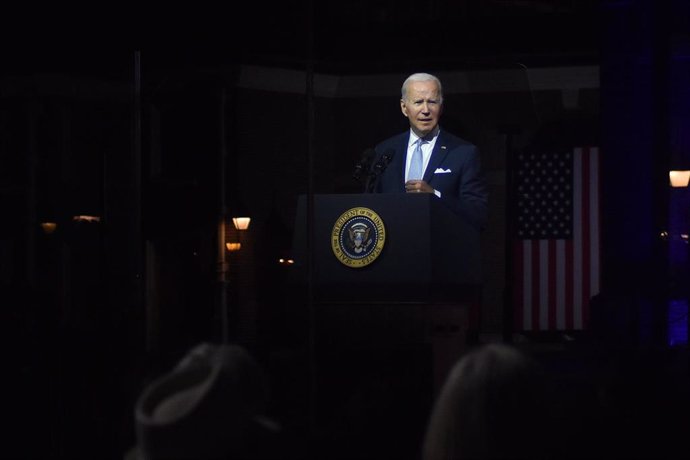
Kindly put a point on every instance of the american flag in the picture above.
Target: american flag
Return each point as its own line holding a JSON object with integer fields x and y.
{"x": 556, "y": 249}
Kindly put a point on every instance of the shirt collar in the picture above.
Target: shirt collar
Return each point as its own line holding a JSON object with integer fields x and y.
{"x": 429, "y": 137}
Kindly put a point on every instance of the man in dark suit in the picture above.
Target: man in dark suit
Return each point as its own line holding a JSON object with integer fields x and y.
{"x": 427, "y": 159}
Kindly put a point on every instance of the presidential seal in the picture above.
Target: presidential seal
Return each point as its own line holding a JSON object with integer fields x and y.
{"x": 358, "y": 237}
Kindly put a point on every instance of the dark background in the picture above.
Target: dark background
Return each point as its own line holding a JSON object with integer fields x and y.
{"x": 127, "y": 112}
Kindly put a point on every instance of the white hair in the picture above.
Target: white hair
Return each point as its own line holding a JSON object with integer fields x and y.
{"x": 421, "y": 77}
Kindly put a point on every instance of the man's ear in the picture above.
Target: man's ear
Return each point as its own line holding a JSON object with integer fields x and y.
{"x": 403, "y": 107}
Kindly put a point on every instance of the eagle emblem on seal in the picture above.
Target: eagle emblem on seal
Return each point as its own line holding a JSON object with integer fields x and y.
{"x": 359, "y": 237}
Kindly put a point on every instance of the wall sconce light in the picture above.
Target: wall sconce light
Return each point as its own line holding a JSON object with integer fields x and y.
{"x": 48, "y": 227}
{"x": 665, "y": 236}
{"x": 232, "y": 247}
{"x": 86, "y": 218}
{"x": 241, "y": 223}
{"x": 679, "y": 178}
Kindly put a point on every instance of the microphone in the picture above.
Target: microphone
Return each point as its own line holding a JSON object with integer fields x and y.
{"x": 383, "y": 162}
{"x": 363, "y": 163}
{"x": 378, "y": 169}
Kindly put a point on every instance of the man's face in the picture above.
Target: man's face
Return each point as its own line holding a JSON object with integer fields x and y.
{"x": 422, "y": 106}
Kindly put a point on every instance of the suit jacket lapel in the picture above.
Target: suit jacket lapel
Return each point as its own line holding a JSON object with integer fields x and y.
{"x": 401, "y": 156}
{"x": 441, "y": 149}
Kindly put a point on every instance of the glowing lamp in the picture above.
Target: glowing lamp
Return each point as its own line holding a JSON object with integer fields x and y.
{"x": 48, "y": 227}
{"x": 241, "y": 223}
{"x": 232, "y": 247}
{"x": 679, "y": 178}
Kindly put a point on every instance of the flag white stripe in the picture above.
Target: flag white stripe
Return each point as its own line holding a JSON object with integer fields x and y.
{"x": 543, "y": 284}
{"x": 560, "y": 284}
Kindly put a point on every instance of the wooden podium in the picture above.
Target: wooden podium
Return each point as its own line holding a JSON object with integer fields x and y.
{"x": 422, "y": 290}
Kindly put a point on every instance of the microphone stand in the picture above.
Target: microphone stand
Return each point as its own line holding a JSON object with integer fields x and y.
{"x": 376, "y": 171}
{"x": 357, "y": 174}
{"x": 364, "y": 164}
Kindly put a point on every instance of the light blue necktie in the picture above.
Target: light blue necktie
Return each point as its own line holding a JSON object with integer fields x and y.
{"x": 417, "y": 164}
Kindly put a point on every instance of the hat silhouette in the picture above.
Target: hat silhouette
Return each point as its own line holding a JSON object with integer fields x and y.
{"x": 210, "y": 406}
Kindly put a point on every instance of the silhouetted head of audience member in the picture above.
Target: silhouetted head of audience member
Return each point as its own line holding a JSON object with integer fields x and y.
{"x": 210, "y": 406}
{"x": 492, "y": 406}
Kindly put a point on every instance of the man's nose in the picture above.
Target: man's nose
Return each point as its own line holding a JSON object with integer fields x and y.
{"x": 425, "y": 107}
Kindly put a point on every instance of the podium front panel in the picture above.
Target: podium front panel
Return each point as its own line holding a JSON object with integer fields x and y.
{"x": 428, "y": 254}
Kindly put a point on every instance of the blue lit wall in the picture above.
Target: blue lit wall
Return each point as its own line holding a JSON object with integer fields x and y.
{"x": 645, "y": 81}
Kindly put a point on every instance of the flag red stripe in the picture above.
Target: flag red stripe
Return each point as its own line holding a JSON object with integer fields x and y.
{"x": 551, "y": 313}
{"x": 569, "y": 287}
